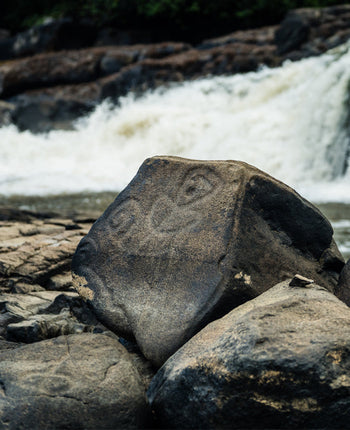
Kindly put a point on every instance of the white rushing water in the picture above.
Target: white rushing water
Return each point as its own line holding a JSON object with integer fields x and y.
{"x": 291, "y": 122}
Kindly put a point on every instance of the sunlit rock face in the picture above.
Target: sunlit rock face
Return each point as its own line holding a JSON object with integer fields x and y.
{"x": 189, "y": 240}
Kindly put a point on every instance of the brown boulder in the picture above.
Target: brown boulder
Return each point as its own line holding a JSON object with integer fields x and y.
{"x": 280, "y": 361}
{"x": 189, "y": 240}
{"x": 81, "y": 381}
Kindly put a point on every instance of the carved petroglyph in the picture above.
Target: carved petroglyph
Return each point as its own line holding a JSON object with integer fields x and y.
{"x": 139, "y": 230}
{"x": 198, "y": 183}
{"x": 167, "y": 217}
{"x": 125, "y": 215}
{"x": 173, "y": 215}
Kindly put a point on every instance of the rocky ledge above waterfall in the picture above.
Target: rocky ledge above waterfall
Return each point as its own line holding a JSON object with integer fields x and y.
{"x": 45, "y": 85}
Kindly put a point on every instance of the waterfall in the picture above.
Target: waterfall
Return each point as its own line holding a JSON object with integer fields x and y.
{"x": 291, "y": 121}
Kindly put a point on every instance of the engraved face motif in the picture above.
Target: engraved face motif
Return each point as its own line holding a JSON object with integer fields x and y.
{"x": 167, "y": 217}
{"x": 124, "y": 216}
{"x": 198, "y": 183}
{"x": 169, "y": 214}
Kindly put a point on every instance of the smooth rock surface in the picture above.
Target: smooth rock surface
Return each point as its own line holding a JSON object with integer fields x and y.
{"x": 279, "y": 361}
{"x": 189, "y": 240}
{"x": 72, "y": 382}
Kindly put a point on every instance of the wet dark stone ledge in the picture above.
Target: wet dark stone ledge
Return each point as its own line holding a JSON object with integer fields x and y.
{"x": 48, "y": 78}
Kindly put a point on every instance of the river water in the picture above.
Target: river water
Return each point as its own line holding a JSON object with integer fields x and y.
{"x": 292, "y": 122}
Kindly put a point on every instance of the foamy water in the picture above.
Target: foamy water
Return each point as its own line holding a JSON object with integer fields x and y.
{"x": 291, "y": 122}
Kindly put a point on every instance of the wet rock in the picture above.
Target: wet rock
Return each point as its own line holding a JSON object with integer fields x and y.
{"x": 50, "y": 90}
{"x": 74, "y": 66}
{"x": 43, "y": 70}
{"x": 115, "y": 59}
{"x": 191, "y": 64}
{"x": 6, "y": 110}
{"x": 186, "y": 242}
{"x": 41, "y": 113}
{"x": 278, "y": 361}
{"x": 79, "y": 381}
{"x": 312, "y": 31}
{"x": 256, "y": 36}
{"x": 293, "y": 31}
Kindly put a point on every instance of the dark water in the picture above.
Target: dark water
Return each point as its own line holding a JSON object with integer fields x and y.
{"x": 93, "y": 205}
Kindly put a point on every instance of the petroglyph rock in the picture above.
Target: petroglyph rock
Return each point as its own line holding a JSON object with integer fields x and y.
{"x": 279, "y": 361}
{"x": 189, "y": 240}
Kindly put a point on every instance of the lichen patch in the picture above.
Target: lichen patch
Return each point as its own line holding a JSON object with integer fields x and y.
{"x": 244, "y": 277}
{"x": 80, "y": 284}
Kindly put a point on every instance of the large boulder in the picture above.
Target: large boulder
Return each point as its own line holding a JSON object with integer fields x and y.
{"x": 81, "y": 381}
{"x": 279, "y": 361}
{"x": 187, "y": 241}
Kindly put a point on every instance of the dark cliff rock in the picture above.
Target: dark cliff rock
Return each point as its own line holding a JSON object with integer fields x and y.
{"x": 49, "y": 91}
{"x": 61, "y": 78}
{"x": 311, "y": 31}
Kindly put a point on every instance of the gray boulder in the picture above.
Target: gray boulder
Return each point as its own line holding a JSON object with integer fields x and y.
{"x": 279, "y": 361}
{"x": 81, "y": 381}
{"x": 187, "y": 241}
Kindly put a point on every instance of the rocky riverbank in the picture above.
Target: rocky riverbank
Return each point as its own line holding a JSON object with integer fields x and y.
{"x": 48, "y": 79}
{"x": 186, "y": 269}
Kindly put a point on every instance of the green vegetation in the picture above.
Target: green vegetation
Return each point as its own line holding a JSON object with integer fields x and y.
{"x": 182, "y": 19}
